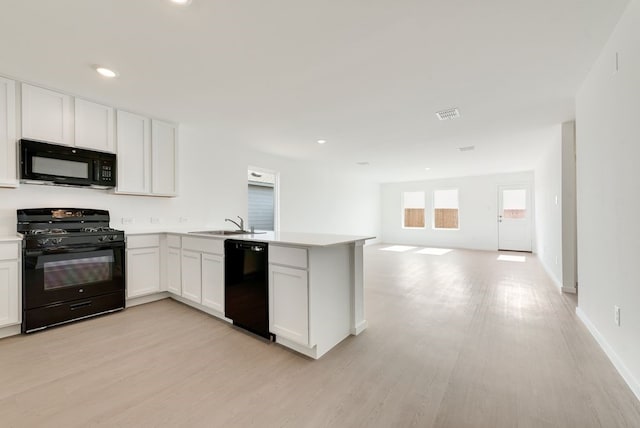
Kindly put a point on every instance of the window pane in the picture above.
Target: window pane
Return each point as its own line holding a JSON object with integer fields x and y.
{"x": 413, "y": 209}
{"x": 445, "y": 209}
{"x": 445, "y": 198}
{"x": 413, "y": 200}
{"x": 445, "y": 218}
{"x": 514, "y": 203}
{"x": 414, "y": 217}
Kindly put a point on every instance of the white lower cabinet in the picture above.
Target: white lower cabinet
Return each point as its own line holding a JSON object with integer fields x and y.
{"x": 289, "y": 303}
{"x": 143, "y": 265}
{"x": 191, "y": 275}
{"x": 9, "y": 302}
{"x": 174, "y": 284}
{"x": 213, "y": 281}
{"x": 203, "y": 272}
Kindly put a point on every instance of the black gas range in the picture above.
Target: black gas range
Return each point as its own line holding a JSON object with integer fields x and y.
{"x": 73, "y": 266}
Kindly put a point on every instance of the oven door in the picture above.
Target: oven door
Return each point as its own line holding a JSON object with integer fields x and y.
{"x": 63, "y": 274}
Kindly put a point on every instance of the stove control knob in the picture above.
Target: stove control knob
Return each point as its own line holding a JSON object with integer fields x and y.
{"x": 56, "y": 240}
{"x": 102, "y": 238}
{"x": 43, "y": 242}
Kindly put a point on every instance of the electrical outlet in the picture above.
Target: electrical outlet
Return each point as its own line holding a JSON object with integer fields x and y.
{"x": 183, "y": 219}
{"x": 616, "y": 310}
{"x": 155, "y": 220}
{"x": 128, "y": 220}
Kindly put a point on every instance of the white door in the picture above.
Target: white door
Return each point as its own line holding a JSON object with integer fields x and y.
{"x": 514, "y": 218}
{"x": 213, "y": 281}
{"x": 133, "y": 142}
{"x": 94, "y": 126}
{"x": 143, "y": 271}
{"x": 173, "y": 271}
{"x": 191, "y": 276}
{"x": 164, "y": 158}
{"x": 46, "y": 115}
{"x": 8, "y": 158}
{"x": 289, "y": 303}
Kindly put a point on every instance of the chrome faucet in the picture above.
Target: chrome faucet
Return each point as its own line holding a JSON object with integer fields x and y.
{"x": 240, "y": 226}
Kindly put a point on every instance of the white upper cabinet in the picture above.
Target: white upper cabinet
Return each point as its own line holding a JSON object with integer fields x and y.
{"x": 133, "y": 141}
{"x": 8, "y": 159}
{"x": 94, "y": 126}
{"x": 46, "y": 115}
{"x": 164, "y": 158}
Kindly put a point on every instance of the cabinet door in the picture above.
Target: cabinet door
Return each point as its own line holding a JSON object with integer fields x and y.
{"x": 191, "y": 276}
{"x": 143, "y": 271}
{"x": 289, "y": 303}
{"x": 213, "y": 282}
{"x": 46, "y": 115}
{"x": 9, "y": 305}
{"x": 94, "y": 126}
{"x": 164, "y": 155}
{"x": 133, "y": 140}
{"x": 173, "y": 271}
{"x": 8, "y": 159}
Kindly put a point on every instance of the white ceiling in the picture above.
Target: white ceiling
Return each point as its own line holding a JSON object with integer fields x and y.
{"x": 366, "y": 75}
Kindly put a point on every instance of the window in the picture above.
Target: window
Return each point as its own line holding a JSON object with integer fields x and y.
{"x": 262, "y": 199}
{"x": 413, "y": 214}
{"x": 514, "y": 203}
{"x": 445, "y": 209}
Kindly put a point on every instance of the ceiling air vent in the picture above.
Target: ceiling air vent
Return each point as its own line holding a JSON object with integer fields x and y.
{"x": 448, "y": 114}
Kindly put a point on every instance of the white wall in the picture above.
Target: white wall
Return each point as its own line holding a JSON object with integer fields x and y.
{"x": 213, "y": 185}
{"x": 548, "y": 210}
{"x": 478, "y": 199}
{"x": 608, "y": 181}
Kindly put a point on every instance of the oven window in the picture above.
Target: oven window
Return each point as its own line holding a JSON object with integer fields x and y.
{"x": 83, "y": 271}
{"x": 60, "y": 167}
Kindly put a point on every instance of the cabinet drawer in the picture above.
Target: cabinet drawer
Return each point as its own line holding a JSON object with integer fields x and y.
{"x": 203, "y": 245}
{"x": 9, "y": 251}
{"x": 288, "y": 256}
{"x": 173, "y": 241}
{"x": 143, "y": 241}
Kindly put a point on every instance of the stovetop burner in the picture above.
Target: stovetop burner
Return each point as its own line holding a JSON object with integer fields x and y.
{"x": 47, "y": 231}
{"x": 98, "y": 229}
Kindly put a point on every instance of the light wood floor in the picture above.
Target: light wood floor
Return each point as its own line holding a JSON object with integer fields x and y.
{"x": 459, "y": 340}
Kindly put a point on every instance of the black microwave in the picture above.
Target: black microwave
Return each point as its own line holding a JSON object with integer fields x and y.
{"x": 56, "y": 164}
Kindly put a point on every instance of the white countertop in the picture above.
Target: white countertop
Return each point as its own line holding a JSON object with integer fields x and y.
{"x": 11, "y": 238}
{"x": 287, "y": 238}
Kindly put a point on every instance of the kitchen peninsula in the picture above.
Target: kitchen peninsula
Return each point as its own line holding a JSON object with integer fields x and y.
{"x": 315, "y": 280}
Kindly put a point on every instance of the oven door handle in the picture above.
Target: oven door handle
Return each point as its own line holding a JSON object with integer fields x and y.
{"x": 71, "y": 250}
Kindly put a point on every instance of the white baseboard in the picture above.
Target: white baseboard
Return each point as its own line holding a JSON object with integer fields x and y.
{"x": 135, "y": 301}
{"x": 12, "y": 330}
{"x": 553, "y": 278}
{"x": 613, "y": 357}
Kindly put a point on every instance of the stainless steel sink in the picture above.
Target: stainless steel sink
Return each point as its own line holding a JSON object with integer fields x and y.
{"x": 226, "y": 232}
{"x": 223, "y": 232}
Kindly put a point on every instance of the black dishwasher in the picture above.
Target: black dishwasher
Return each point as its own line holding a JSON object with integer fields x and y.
{"x": 246, "y": 285}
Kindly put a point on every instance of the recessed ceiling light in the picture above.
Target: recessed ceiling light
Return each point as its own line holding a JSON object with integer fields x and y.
{"x": 106, "y": 72}
{"x": 322, "y": 141}
{"x": 363, "y": 163}
{"x": 467, "y": 148}
{"x": 181, "y": 2}
{"x": 427, "y": 169}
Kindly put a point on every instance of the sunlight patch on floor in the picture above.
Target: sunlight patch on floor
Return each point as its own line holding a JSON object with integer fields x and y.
{"x": 397, "y": 248}
{"x": 434, "y": 251}
{"x": 505, "y": 258}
